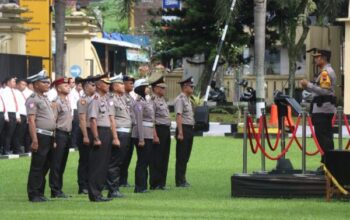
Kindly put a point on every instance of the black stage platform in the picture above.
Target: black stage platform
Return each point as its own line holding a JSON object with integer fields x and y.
{"x": 269, "y": 185}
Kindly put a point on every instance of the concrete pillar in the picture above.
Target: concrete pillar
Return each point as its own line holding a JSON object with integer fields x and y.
{"x": 80, "y": 51}
{"x": 12, "y": 29}
{"x": 346, "y": 63}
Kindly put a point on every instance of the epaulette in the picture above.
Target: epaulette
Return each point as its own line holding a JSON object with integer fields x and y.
{"x": 32, "y": 95}
{"x": 153, "y": 97}
{"x": 96, "y": 97}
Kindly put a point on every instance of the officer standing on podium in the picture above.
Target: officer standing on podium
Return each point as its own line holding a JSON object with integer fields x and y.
{"x": 184, "y": 131}
{"x": 42, "y": 124}
{"x": 324, "y": 100}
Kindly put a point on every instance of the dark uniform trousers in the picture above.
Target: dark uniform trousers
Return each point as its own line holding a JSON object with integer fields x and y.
{"x": 142, "y": 164}
{"x": 98, "y": 163}
{"x": 323, "y": 128}
{"x": 59, "y": 161}
{"x": 83, "y": 164}
{"x": 117, "y": 157}
{"x": 126, "y": 163}
{"x": 10, "y": 127}
{"x": 75, "y": 129}
{"x": 183, "y": 153}
{"x": 39, "y": 166}
{"x": 21, "y": 134}
{"x": 160, "y": 157}
{"x": 2, "y": 124}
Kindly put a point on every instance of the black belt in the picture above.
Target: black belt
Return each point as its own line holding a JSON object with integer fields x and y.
{"x": 63, "y": 132}
{"x": 320, "y": 100}
{"x": 163, "y": 125}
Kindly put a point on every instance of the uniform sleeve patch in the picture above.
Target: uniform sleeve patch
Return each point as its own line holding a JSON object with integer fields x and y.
{"x": 111, "y": 103}
{"x": 82, "y": 102}
{"x": 31, "y": 105}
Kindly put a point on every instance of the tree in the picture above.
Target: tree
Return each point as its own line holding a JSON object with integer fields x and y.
{"x": 196, "y": 31}
{"x": 259, "y": 52}
{"x": 60, "y": 7}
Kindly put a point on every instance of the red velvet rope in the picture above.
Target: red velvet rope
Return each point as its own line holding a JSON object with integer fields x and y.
{"x": 268, "y": 136}
{"x": 297, "y": 140}
{"x": 314, "y": 135}
{"x": 256, "y": 136}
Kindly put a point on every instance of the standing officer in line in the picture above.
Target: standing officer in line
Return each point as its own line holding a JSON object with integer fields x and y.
{"x": 84, "y": 132}
{"x": 12, "y": 116}
{"x": 142, "y": 134}
{"x": 130, "y": 102}
{"x": 41, "y": 120}
{"x": 123, "y": 126}
{"x": 63, "y": 114}
{"x": 161, "y": 140}
{"x": 100, "y": 116}
{"x": 184, "y": 131}
{"x": 2, "y": 120}
{"x": 19, "y": 144}
{"x": 324, "y": 100}
{"x": 74, "y": 97}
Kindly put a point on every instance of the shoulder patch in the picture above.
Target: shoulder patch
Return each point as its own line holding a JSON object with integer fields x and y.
{"x": 96, "y": 97}
{"x": 31, "y": 105}
{"x": 32, "y": 95}
{"x": 83, "y": 102}
{"x": 111, "y": 103}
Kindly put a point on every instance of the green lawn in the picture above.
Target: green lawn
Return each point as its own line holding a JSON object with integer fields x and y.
{"x": 213, "y": 161}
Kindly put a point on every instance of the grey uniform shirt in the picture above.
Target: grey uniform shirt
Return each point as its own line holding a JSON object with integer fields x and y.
{"x": 83, "y": 105}
{"x": 183, "y": 107}
{"x": 130, "y": 102}
{"x": 63, "y": 112}
{"x": 162, "y": 115}
{"x": 41, "y": 107}
{"x": 144, "y": 112}
{"x": 316, "y": 90}
{"x": 100, "y": 109}
{"x": 121, "y": 112}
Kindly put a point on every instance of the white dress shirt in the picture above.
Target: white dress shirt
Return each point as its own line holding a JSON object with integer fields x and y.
{"x": 21, "y": 101}
{"x": 11, "y": 102}
{"x": 27, "y": 92}
{"x": 52, "y": 94}
{"x": 74, "y": 97}
{"x": 2, "y": 104}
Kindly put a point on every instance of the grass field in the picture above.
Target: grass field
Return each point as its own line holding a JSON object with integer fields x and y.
{"x": 213, "y": 161}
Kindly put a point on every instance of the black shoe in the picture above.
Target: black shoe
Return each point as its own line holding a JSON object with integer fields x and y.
{"x": 140, "y": 191}
{"x": 39, "y": 199}
{"x": 115, "y": 194}
{"x": 83, "y": 191}
{"x": 101, "y": 199}
{"x": 183, "y": 185}
{"x": 154, "y": 187}
{"x": 60, "y": 196}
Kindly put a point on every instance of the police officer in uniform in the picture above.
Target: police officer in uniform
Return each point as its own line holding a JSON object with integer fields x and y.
{"x": 130, "y": 102}
{"x": 100, "y": 116}
{"x": 324, "y": 100}
{"x": 123, "y": 126}
{"x": 184, "y": 131}
{"x": 42, "y": 124}
{"x": 161, "y": 140}
{"x": 83, "y": 140}
{"x": 142, "y": 134}
{"x": 63, "y": 113}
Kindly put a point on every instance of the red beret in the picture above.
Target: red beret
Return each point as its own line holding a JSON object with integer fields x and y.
{"x": 60, "y": 81}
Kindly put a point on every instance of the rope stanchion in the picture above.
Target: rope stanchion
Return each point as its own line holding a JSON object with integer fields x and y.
{"x": 314, "y": 135}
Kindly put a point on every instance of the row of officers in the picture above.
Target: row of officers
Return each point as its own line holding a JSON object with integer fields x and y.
{"x": 112, "y": 122}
